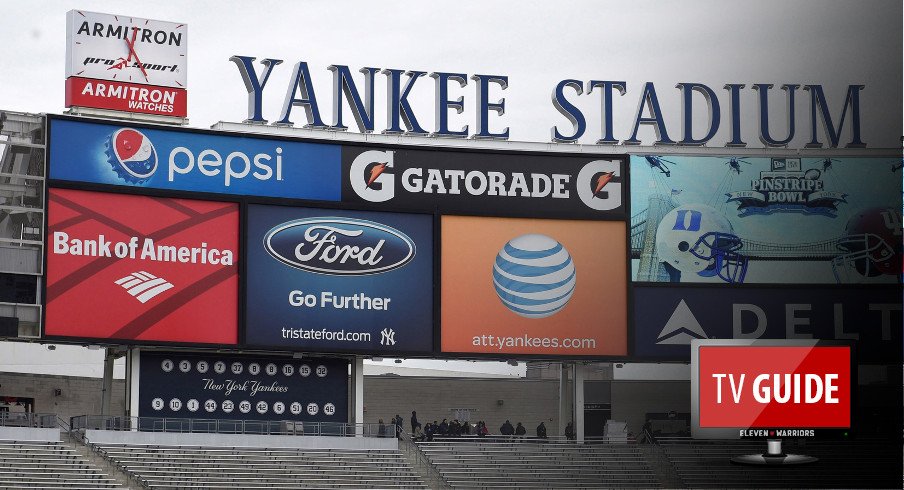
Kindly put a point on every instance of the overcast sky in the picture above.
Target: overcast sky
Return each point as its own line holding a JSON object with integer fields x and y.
{"x": 534, "y": 43}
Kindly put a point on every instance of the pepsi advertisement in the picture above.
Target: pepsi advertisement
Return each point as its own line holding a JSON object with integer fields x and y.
{"x": 169, "y": 159}
{"x": 339, "y": 281}
{"x": 667, "y": 319}
{"x": 486, "y": 183}
{"x": 265, "y": 388}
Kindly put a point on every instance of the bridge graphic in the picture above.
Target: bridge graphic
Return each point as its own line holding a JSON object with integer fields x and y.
{"x": 643, "y": 243}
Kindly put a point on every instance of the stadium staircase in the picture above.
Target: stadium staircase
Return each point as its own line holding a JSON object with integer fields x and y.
{"x": 41, "y": 464}
{"x": 172, "y": 467}
{"x": 707, "y": 464}
{"x": 499, "y": 462}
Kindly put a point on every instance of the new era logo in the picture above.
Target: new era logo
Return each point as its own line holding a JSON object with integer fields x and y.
{"x": 144, "y": 286}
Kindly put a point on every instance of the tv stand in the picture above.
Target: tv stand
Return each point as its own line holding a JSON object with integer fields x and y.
{"x": 773, "y": 456}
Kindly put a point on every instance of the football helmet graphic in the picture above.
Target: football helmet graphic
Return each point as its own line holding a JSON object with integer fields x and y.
{"x": 870, "y": 246}
{"x": 695, "y": 238}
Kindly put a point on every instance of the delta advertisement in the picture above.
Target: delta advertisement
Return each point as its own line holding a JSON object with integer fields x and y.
{"x": 271, "y": 388}
{"x": 533, "y": 287}
{"x": 179, "y": 160}
{"x": 485, "y": 183}
{"x": 339, "y": 281}
{"x": 766, "y": 220}
{"x": 667, "y": 319}
{"x": 141, "y": 268}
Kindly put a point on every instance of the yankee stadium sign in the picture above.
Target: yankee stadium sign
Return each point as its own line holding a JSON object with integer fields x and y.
{"x": 833, "y": 118}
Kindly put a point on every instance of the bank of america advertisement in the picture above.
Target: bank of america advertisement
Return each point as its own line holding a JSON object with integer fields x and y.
{"x": 267, "y": 388}
{"x": 534, "y": 287}
{"x": 141, "y": 268}
{"x": 766, "y": 220}
{"x": 222, "y": 163}
{"x": 339, "y": 281}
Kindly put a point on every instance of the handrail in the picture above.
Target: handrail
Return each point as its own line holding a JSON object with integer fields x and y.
{"x": 221, "y": 426}
{"x": 28, "y": 419}
{"x": 407, "y": 444}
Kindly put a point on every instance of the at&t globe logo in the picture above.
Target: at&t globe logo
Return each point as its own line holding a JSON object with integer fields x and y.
{"x": 131, "y": 155}
{"x": 534, "y": 276}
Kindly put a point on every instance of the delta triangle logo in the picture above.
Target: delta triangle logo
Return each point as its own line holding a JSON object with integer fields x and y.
{"x": 681, "y": 328}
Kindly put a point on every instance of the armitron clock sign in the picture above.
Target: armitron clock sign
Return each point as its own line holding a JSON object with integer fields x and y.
{"x": 126, "y": 64}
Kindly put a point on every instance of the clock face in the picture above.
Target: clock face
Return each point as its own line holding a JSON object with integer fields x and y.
{"x": 126, "y": 49}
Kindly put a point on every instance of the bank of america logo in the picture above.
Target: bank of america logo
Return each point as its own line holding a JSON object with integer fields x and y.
{"x": 144, "y": 286}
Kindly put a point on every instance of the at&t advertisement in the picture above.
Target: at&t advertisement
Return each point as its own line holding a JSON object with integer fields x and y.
{"x": 339, "y": 281}
{"x": 541, "y": 287}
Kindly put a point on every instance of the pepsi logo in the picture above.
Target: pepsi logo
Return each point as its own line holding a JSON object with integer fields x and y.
{"x": 339, "y": 246}
{"x": 534, "y": 276}
{"x": 131, "y": 155}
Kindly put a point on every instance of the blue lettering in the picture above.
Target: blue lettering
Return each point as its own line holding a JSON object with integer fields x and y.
{"x": 567, "y": 109}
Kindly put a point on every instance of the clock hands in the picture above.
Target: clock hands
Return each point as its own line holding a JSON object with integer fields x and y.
{"x": 132, "y": 54}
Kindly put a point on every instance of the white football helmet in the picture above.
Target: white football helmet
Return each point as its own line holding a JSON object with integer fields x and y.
{"x": 695, "y": 238}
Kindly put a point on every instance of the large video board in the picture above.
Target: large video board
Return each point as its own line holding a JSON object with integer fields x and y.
{"x": 766, "y": 220}
{"x": 141, "y": 268}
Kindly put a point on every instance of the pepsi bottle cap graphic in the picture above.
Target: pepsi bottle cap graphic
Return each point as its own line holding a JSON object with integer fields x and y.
{"x": 131, "y": 155}
{"x": 534, "y": 276}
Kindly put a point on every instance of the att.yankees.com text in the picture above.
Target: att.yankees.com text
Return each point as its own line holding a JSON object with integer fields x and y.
{"x": 528, "y": 341}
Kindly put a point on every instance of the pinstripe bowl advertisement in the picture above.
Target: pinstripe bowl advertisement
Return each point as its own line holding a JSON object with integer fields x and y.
{"x": 141, "y": 268}
{"x": 766, "y": 220}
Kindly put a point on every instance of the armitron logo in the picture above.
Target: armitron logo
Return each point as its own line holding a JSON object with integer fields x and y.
{"x": 131, "y": 155}
{"x": 144, "y": 286}
{"x": 339, "y": 246}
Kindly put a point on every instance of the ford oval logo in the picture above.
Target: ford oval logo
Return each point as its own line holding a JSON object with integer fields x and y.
{"x": 339, "y": 246}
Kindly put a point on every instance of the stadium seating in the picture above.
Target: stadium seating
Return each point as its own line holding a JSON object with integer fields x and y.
{"x": 471, "y": 462}
{"x": 36, "y": 464}
{"x": 707, "y": 464}
{"x": 163, "y": 467}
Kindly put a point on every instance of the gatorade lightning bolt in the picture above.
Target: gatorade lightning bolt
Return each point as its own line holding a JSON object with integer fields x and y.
{"x": 132, "y": 155}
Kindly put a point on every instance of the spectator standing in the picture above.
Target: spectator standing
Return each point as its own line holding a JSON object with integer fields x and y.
{"x": 381, "y": 430}
{"x": 541, "y": 431}
{"x": 415, "y": 425}
{"x": 444, "y": 428}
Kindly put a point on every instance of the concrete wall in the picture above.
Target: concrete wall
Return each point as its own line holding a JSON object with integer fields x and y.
{"x": 631, "y": 400}
{"x": 80, "y": 396}
{"x": 239, "y": 440}
{"x": 523, "y": 400}
{"x": 29, "y": 434}
{"x": 528, "y": 401}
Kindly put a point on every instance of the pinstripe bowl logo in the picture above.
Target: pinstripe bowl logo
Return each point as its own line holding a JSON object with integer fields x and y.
{"x": 534, "y": 276}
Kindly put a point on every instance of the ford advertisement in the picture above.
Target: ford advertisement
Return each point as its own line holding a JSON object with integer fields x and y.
{"x": 339, "y": 281}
